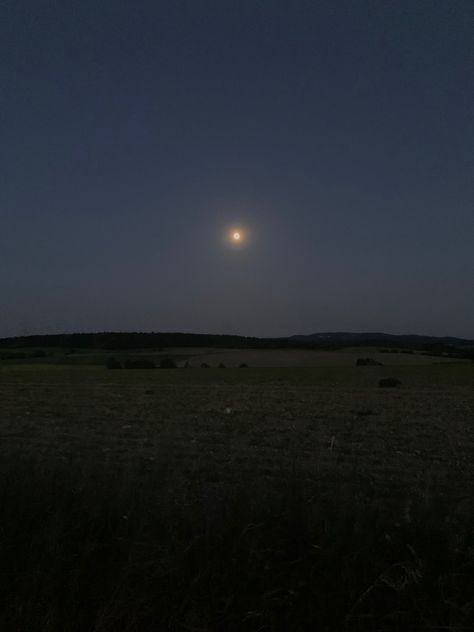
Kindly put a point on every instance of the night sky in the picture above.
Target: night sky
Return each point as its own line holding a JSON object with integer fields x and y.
{"x": 338, "y": 136}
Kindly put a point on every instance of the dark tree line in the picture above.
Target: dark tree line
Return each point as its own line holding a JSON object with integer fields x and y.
{"x": 122, "y": 341}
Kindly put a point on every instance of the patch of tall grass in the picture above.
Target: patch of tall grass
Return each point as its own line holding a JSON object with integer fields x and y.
{"x": 139, "y": 547}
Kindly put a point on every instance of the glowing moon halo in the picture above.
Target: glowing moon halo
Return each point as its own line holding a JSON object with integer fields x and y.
{"x": 236, "y": 237}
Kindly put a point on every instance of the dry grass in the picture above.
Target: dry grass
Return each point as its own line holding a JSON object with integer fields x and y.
{"x": 274, "y": 414}
{"x": 271, "y": 499}
{"x": 306, "y": 357}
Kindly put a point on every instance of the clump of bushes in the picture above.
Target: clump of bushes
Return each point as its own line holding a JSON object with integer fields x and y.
{"x": 140, "y": 364}
{"x": 113, "y": 363}
{"x": 389, "y": 382}
{"x": 167, "y": 363}
{"x": 367, "y": 362}
{"x": 22, "y": 355}
{"x": 39, "y": 354}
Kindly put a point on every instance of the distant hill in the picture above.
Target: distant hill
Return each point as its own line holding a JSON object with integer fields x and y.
{"x": 358, "y": 338}
{"x": 456, "y": 347}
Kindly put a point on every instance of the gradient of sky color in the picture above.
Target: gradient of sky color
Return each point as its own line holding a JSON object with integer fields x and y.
{"x": 338, "y": 135}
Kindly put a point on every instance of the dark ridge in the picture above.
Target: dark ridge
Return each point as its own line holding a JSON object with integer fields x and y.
{"x": 136, "y": 340}
{"x": 344, "y": 336}
{"x": 447, "y": 346}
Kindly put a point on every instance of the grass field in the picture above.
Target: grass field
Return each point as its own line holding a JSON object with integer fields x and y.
{"x": 231, "y": 358}
{"x": 238, "y": 499}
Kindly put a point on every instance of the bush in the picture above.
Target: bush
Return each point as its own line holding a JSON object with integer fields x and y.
{"x": 243, "y": 366}
{"x": 367, "y": 362}
{"x": 112, "y": 363}
{"x": 389, "y": 382}
{"x": 167, "y": 363}
{"x": 221, "y": 365}
{"x": 22, "y": 355}
{"x": 204, "y": 365}
{"x": 140, "y": 364}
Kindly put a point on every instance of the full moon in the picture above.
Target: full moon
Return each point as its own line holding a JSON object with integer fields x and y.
{"x": 236, "y": 236}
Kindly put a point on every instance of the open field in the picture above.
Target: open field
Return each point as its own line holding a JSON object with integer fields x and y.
{"x": 307, "y": 357}
{"x": 237, "y": 499}
{"x": 231, "y": 358}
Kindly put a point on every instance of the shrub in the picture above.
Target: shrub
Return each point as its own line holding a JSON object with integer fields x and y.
{"x": 389, "y": 382}
{"x": 367, "y": 362}
{"x": 167, "y": 363}
{"x": 221, "y": 365}
{"x": 140, "y": 364}
{"x": 243, "y": 366}
{"x": 112, "y": 363}
{"x": 204, "y": 365}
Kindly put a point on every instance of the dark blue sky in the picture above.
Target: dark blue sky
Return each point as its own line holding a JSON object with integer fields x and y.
{"x": 338, "y": 135}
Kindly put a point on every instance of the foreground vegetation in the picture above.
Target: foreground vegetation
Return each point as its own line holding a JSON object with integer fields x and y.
{"x": 236, "y": 500}
{"x": 94, "y": 548}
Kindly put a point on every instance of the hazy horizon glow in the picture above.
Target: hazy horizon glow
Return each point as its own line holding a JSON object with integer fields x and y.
{"x": 336, "y": 138}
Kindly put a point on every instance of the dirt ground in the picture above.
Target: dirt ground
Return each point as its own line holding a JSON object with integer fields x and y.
{"x": 335, "y": 424}
{"x": 305, "y": 357}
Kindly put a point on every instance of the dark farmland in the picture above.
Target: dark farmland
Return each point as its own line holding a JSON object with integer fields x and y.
{"x": 256, "y": 499}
